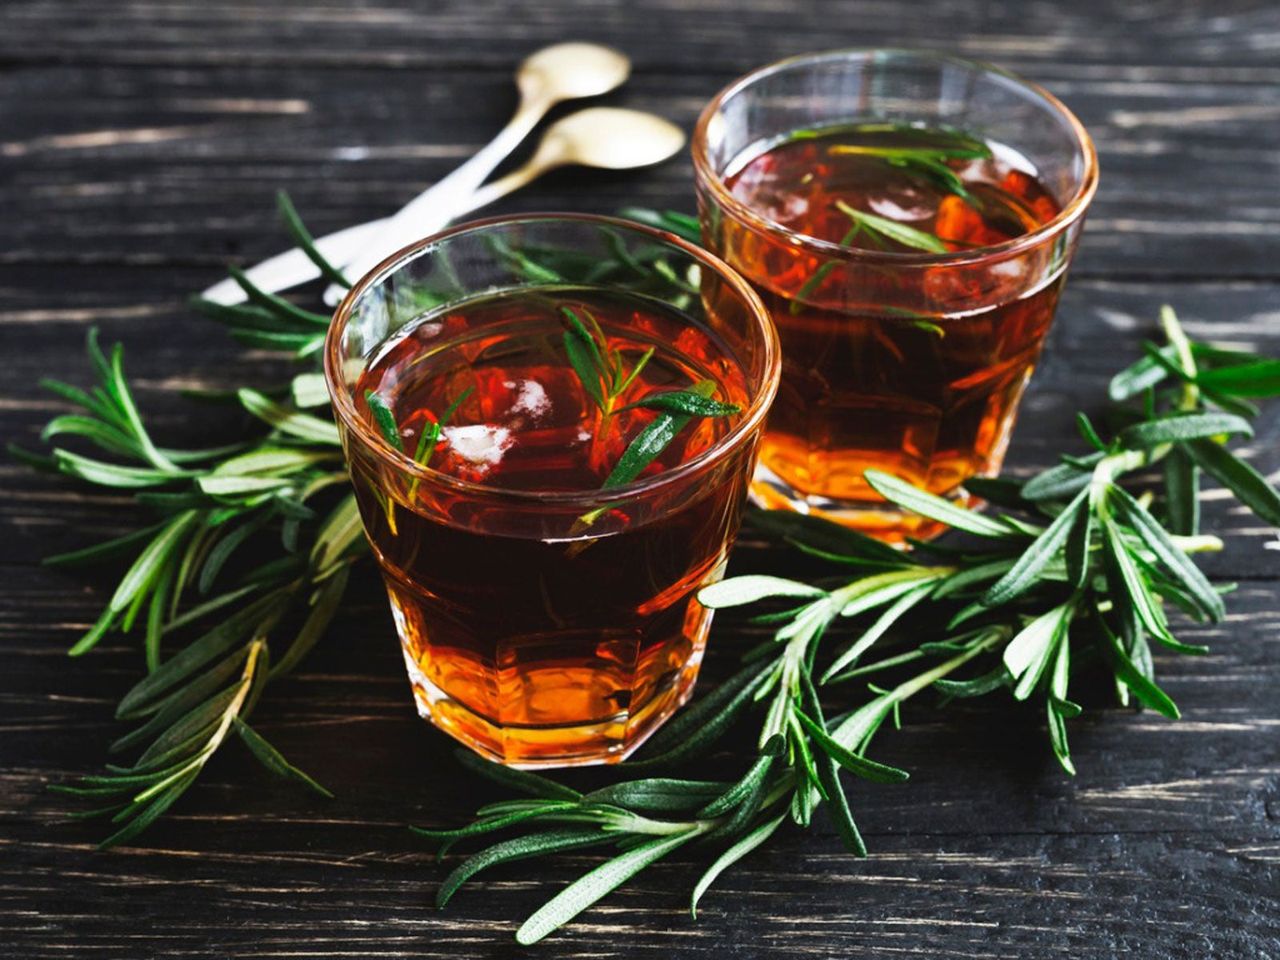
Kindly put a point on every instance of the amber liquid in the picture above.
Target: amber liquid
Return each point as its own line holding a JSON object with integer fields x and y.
{"x": 926, "y": 393}
{"x": 531, "y": 636}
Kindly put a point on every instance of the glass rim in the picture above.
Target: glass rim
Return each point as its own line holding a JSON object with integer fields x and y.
{"x": 1071, "y": 211}
{"x": 344, "y": 407}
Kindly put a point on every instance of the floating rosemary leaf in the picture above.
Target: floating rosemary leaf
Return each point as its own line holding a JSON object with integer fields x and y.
{"x": 385, "y": 420}
{"x": 657, "y": 436}
{"x": 899, "y": 233}
{"x": 933, "y": 140}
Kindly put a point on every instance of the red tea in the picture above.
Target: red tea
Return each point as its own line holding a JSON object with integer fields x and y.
{"x": 532, "y": 631}
{"x": 889, "y": 361}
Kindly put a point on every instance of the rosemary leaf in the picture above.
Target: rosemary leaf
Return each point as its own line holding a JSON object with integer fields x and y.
{"x": 519, "y": 848}
{"x": 732, "y": 855}
{"x": 1249, "y": 486}
{"x": 385, "y": 420}
{"x": 685, "y": 402}
{"x": 893, "y": 230}
{"x": 1027, "y": 572}
{"x": 596, "y": 884}
{"x": 651, "y": 441}
{"x": 306, "y": 243}
{"x": 856, "y": 764}
{"x": 1180, "y": 427}
{"x": 905, "y": 495}
{"x": 296, "y": 424}
{"x": 1182, "y": 493}
{"x": 273, "y": 760}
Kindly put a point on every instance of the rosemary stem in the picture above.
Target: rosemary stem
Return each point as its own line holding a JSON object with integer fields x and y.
{"x": 1201, "y": 543}
{"x": 909, "y": 688}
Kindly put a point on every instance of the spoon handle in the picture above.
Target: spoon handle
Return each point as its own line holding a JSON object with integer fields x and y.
{"x": 293, "y": 267}
{"x": 431, "y": 210}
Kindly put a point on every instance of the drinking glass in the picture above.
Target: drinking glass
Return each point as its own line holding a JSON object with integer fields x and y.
{"x": 909, "y": 362}
{"x": 544, "y": 625}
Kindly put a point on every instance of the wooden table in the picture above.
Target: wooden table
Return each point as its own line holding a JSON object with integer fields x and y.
{"x": 141, "y": 144}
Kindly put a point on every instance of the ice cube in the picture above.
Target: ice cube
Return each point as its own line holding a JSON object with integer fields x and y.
{"x": 480, "y": 445}
{"x": 530, "y": 398}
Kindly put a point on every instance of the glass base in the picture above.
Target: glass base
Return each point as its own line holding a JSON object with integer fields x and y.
{"x": 875, "y": 518}
{"x": 527, "y": 746}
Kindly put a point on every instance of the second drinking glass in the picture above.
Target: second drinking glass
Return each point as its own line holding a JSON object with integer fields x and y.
{"x": 908, "y": 219}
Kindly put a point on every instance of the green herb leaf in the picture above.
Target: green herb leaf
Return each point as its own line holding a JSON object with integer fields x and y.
{"x": 879, "y": 628}
{"x": 658, "y": 794}
{"x": 1062, "y": 481}
{"x": 385, "y": 420}
{"x": 277, "y": 306}
{"x": 1168, "y": 553}
{"x": 745, "y": 789}
{"x": 306, "y": 243}
{"x": 303, "y": 425}
{"x": 1258, "y": 378}
{"x": 1146, "y": 373}
{"x": 681, "y": 224}
{"x": 519, "y": 848}
{"x": 731, "y": 856}
{"x": 893, "y": 230}
{"x": 855, "y": 763}
{"x": 1249, "y": 486}
{"x": 1180, "y": 427}
{"x": 1079, "y": 541}
{"x": 651, "y": 441}
{"x": 1030, "y": 566}
{"x": 1029, "y": 652}
{"x": 829, "y": 540}
{"x": 1182, "y": 493}
{"x": 988, "y": 682}
{"x": 686, "y": 402}
{"x": 274, "y": 760}
{"x": 696, "y": 728}
{"x": 1133, "y": 678}
{"x": 601, "y": 881}
{"x": 934, "y": 508}
{"x": 584, "y": 356}
{"x": 738, "y": 591}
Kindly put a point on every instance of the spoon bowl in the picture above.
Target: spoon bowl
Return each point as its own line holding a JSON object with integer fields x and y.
{"x": 610, "y": 138}
{"x": 567, "y": 71}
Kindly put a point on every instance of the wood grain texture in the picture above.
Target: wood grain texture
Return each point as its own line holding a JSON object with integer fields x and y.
{"x": 140, "y": 146}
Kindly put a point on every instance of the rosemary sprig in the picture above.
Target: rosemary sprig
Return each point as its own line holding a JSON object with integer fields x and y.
{"x": 211, "y": 504}
{"x": 602, "y": 370}
{"x": 605, "y": 377}
{"x": 209, "y": 508}
{"x": 1080, "y": 568}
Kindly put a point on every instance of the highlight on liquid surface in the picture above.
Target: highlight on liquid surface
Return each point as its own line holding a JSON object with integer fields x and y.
{"x": 535, "y": 632}
{"x": 926, "y": 392}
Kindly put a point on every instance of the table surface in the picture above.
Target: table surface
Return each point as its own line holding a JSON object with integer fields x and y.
{"x": 141, "y": 143}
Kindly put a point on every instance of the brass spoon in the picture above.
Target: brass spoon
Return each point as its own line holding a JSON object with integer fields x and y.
{"x": 608, "y": 138}
{"x": 564, "y": 71}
